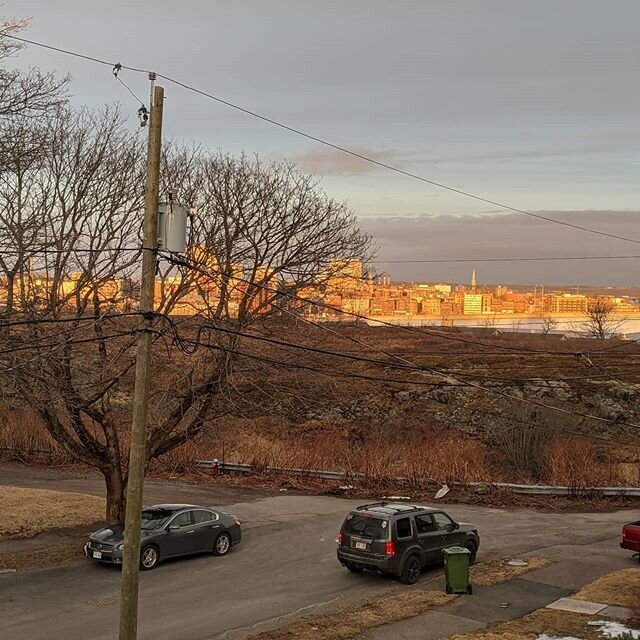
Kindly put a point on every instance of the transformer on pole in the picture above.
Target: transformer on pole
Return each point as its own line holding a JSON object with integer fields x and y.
{"x": 172, "y": 226}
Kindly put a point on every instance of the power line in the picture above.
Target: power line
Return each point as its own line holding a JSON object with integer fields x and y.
{"x": 37, "y": 321}
{"x": 475, "y": 385}
{"x": 510, "y": 259}
{"x": 513, "y": 350}
{"x": 47, "y": 251}
{"x": 336, "y": 147}
{"x": 343, "y": 373}
{"x": 44, "y": 250}
{"x": 65, "y": 343}
{"x": 384, "y": 165}
{"x": 72, "y": 53}
{"x": 413, "y": 366}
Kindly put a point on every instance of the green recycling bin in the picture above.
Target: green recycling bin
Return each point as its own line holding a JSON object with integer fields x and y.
{"x": 456, "y": 569}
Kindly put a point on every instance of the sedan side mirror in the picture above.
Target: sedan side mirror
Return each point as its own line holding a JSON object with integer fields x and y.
{"x": 173, "y": 527}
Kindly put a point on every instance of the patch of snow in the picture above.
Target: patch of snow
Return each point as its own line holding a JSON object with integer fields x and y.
{"x": 396, "y": 497}
{"x": 346, "y": 487}
{"x": 544, "y": 636}
{"x": 517, "y": 563}
{"x": 614, "y": 629}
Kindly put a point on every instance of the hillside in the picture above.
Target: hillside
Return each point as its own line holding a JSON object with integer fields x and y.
{"x": 417, "y": 403}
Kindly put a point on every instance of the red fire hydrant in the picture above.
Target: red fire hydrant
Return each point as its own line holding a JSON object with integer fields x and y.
{"x": 215, "y": 469}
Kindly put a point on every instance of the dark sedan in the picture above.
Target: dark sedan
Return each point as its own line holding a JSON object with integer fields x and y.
{"x": 169, "y": 531}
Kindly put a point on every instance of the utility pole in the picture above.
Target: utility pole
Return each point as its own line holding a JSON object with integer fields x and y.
{"x": 137, "y": 453}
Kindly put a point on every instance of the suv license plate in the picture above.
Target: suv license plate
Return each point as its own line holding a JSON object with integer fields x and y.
{"x": 361, "y": 545}
{"x": 97, "y": 555}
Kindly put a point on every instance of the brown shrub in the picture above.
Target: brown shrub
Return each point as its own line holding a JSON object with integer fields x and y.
{"x": 24, "y": 438}
{"x": 577, "y": 463}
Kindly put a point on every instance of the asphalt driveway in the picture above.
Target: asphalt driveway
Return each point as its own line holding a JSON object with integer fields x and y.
{"x": 285, "y": 564}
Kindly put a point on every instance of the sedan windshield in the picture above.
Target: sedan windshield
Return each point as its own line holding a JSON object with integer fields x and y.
{"x": 154, "y": 519}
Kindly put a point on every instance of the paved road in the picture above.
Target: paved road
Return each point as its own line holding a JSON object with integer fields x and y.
{"x": 285, "y": 564}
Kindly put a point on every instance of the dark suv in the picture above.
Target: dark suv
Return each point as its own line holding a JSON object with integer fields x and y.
{"x": 400, "y": 539}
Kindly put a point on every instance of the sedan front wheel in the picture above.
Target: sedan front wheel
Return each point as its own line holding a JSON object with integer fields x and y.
{"x": 222, "y": 544}
{"x": 149, "y": 557}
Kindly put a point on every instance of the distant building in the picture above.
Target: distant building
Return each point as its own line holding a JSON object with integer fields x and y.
{"x": 472, "y": 304}
{"x": 442, "y": 288}
{"x": 566, "y": 303}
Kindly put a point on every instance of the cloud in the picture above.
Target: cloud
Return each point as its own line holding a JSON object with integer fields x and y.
{"x": 326, "y": 161}
{"x": 509, "y": 235}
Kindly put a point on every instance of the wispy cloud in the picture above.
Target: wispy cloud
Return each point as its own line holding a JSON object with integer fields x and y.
{"x": 326, "y": 161}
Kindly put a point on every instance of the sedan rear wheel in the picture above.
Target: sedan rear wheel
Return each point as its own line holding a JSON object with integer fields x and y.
{"x": 222, "y": 544}
{"x": 149, "y": 557}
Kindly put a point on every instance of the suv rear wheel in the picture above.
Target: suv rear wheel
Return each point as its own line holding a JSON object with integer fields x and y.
{"x": 411, "y": 570}
{"x": 472, "y": 549}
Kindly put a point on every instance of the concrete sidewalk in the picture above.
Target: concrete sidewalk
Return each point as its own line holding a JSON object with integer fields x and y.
{"x": 522, "y": 595}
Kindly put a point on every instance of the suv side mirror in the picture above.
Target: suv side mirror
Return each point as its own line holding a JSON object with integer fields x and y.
{"x": 453, "y": 526}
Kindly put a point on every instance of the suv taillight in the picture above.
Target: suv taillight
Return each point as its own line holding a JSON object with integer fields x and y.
{"x": 390, "y": 548}
{"x": 339, "y": 539}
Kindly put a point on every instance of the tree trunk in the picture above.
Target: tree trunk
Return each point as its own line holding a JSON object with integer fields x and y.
{"x": 116, "y": 496}
{"x": 11, "y": 279}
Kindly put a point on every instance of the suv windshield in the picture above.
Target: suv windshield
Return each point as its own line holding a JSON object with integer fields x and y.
{"x": 365, "y": 525}
{"x": 154, "y": 519}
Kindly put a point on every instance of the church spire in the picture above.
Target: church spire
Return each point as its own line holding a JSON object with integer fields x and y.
{"x": 474, "y": 284}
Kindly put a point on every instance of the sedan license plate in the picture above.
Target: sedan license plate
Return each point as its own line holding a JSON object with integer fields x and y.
{"x": 97, "y": 555}
{"x": 361, "y": 545}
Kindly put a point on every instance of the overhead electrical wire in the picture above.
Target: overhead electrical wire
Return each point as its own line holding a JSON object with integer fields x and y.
{"x": 37, "y": 321}
{"x": 65, "y": 343}
{"x": 473, "y": 384}
{"x": 184, "y": 261}
{"x": 198, "y": 342}
{"x": 328, "y": 144}
{"x": 509, "y": 259}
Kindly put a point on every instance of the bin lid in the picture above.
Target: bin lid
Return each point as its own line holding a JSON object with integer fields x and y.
{"x": 456, "y": 551}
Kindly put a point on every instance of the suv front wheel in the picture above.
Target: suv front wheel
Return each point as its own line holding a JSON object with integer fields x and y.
{"x": 472, "y": 549}
{"x": 411, "y": 570}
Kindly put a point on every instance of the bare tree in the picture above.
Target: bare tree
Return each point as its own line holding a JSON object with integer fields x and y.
{"x": 262, "y": 233}
{"x": 549, "y": 323}
{"x": 28, "y": 93}
{"x": 74, "y": 215}
{"x": 601, "y": 320}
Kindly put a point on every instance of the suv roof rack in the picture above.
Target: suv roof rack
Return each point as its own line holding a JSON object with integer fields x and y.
{"x": 391, "y": 506}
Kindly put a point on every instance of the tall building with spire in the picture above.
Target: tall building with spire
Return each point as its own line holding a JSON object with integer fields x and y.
{"x": 474, "y": 285}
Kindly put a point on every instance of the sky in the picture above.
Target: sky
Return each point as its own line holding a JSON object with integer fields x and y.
{"x": 532, "y": 104}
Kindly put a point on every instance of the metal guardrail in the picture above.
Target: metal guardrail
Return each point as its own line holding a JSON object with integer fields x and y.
{"x": 309, "y": 473}
{"x": 528, "y": 489}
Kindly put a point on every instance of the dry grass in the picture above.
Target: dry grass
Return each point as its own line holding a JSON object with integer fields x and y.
{"x": 497, "y": 571}
{"x": 28, "y": 512}
{"x": 56, "y": 555}
{"x": 620, "y": 588}
{"x": 437, "y": 455}
{"x": 548, "y": 621}
{"x": 348, "y": 622}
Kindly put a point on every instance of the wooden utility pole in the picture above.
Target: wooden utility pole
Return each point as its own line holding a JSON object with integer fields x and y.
{"x": 137, "y": 453}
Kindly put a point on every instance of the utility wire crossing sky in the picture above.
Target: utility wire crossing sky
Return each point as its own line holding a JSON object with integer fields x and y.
{"x": 523, "y": 105}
